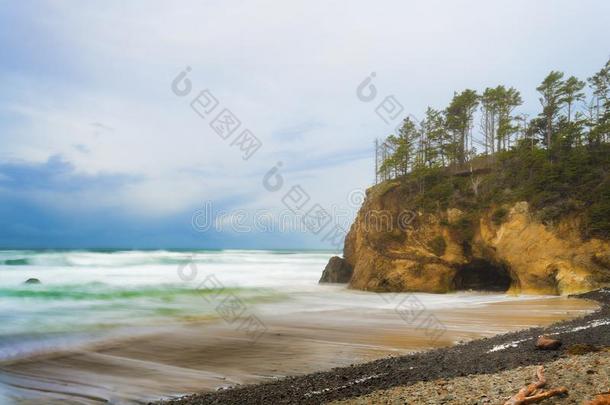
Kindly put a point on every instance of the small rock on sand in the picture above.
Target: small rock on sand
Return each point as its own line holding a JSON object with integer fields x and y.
{"x": 337, "y": 271}
{"x": 546, "y": 343}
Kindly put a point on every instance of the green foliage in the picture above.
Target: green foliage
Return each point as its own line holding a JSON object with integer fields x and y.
{"x": 558, "y": 161}
{"x": 598, "y": 219}
{"x": 463, "y": 229}
{"x": 498, "y": 125}
{"x": 578, "y": 183}
{"x": 438, "y": 245}
{"x": 499, "y": 216}
{"x": 459, "y": 115}
{"x": 598, "y": 214}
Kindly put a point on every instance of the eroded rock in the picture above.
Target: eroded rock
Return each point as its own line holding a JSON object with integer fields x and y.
{"x": 337, "y": 271}
{"x": 537, "y": 258}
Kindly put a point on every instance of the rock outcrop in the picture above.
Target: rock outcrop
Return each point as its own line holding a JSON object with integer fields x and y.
{"x": 391, "y": 248}
{"x": 337, "y": 271}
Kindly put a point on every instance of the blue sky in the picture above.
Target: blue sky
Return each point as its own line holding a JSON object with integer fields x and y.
{"x": 97, "y": 151}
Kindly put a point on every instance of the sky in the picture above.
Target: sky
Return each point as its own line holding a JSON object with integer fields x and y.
{"x": 102, "y": 146}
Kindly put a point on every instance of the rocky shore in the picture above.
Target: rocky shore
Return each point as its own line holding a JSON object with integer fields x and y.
{"x": 480, "y": 357}
{"x": 587, "y": 375}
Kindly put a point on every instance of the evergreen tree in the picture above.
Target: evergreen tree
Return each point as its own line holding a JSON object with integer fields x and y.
{"x": 489, "y": 119}
{"x": 551, "y": 92}
{"x": 444, "y": 137}
{"x": 600, "y": 85}
{"x": 433, "y": 127}
{"x": 459, "y": 116}
{"x": 572, "y": 92}
{"x": 507, "y": 101}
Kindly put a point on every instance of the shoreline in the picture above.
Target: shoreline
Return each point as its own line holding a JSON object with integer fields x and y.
{"x": 483, "y": 356}
{"x": 309, "y": 335}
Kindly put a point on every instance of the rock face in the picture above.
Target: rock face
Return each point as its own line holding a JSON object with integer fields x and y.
{"x": 390, "y": 248}
{"x": 337, "y": 271}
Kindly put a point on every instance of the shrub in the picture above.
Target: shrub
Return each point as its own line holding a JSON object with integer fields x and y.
{"x": 576, "y": 181}
{"x": 599, "y": 219}
{"x": 438, "y": 245}
{"x": 463, "y": 229}
{"x": 499, "y": 215}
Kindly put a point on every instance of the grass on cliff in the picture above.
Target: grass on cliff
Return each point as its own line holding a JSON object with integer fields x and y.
{"x": 576, "y": 182}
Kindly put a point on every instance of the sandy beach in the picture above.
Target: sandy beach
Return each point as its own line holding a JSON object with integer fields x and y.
{"x": 213, "y": 354}
{"x": 430, "y": 376}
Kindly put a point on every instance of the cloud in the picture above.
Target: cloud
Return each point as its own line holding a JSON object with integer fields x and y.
{"x": 55, "y": 174}
{"x": 82, "y": 148}
{"x": 87, "y": 113}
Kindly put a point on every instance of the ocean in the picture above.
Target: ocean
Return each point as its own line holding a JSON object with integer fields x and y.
{"x": 90, "y": 295}
{"x": 99, "y": 319}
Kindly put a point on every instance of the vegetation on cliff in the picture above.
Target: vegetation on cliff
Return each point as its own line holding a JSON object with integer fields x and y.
{"x": 577, "y": 184}
{"x": 557, "y": 161}
{"x": 529, "y": 213}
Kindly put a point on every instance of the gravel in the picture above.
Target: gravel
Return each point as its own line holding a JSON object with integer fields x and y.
{"x": 585, "y": 376}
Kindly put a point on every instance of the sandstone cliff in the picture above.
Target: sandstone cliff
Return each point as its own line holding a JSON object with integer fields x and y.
{"x": 502, "y": 248}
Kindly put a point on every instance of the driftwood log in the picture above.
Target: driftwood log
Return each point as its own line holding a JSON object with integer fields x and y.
{"x": 534, "y": 393}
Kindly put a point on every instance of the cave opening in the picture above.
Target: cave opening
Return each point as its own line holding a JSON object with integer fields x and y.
{"x": 482, "y": 275}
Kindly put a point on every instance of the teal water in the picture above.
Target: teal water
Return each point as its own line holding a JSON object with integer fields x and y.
{"x": 85, "y": 295}
{"x": 90, "y": 296}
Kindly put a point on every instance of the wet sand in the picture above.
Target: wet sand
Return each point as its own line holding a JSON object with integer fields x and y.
{"x": 206, "y": 356}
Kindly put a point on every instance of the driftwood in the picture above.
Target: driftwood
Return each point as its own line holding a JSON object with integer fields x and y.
{"x": 534, "y": 393}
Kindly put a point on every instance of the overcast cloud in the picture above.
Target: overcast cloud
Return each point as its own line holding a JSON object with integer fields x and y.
{"x": 98, "y": 151}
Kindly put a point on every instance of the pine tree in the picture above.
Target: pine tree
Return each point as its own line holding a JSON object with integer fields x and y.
{"x": 551, "y": 92}
{"x": 572, "y": 92}
{"x": 507, "y": 101}
{"x": 459, "y": 115}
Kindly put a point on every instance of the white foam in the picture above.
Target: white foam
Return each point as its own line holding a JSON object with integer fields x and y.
{"x": 349, "y": 384}
{"x": 505, "y": 346}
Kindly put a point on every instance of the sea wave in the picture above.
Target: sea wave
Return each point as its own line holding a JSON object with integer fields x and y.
{"x": 16, "y": 262}
{"x": 87, "y": 293}
{"x": 103, "y": 292}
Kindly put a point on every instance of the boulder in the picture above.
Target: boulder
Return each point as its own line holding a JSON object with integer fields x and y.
{"x": 337, "y": 271}
{"x": 546, "y": 343}
{"x": 32, "y": 281}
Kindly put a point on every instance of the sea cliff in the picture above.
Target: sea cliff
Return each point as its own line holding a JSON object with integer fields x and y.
{"x": 409, "y": 236}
